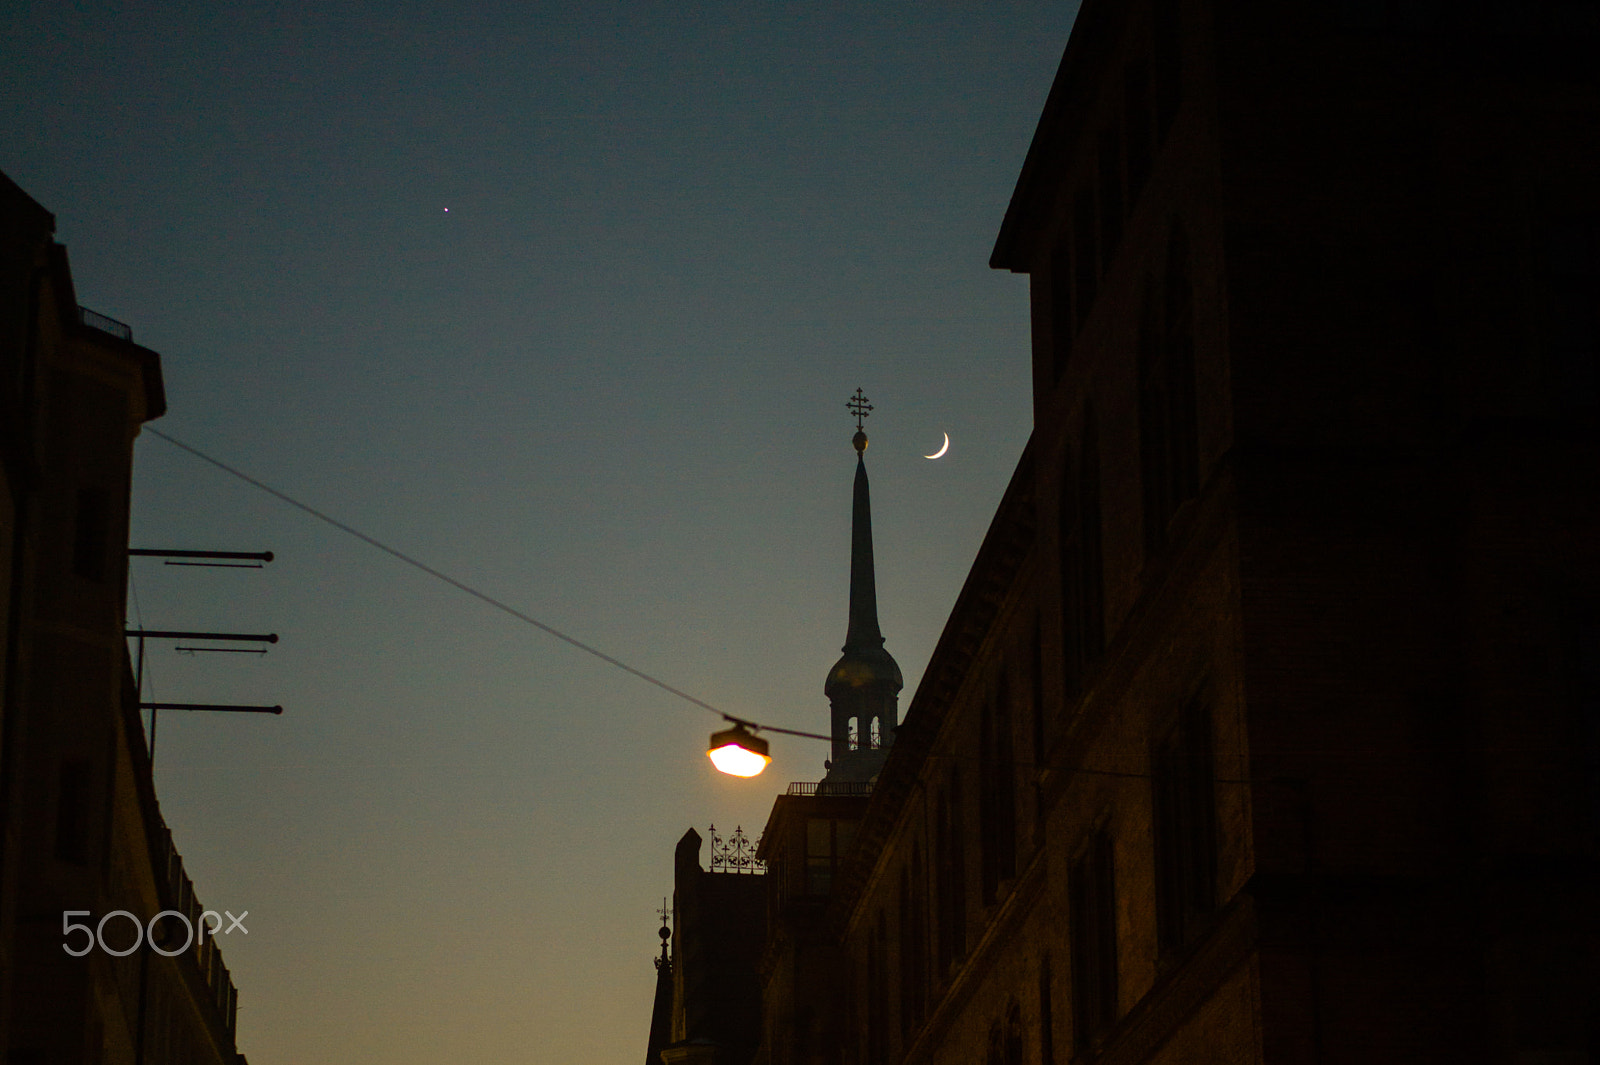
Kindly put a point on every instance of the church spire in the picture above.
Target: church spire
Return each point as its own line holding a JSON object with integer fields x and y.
{"x": 864, "y": 685}
{"x": 863, "y": 633}
{"x": 661, "y": 1010}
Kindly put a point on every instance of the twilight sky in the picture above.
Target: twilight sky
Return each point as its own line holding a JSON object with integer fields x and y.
{"x": 606, "y": 385}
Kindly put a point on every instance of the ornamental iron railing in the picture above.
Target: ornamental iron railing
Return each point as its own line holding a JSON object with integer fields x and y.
{"x": 735, "y": 853}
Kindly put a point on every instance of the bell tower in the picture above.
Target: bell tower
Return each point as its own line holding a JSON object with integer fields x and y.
{"x": 863, "y": 687}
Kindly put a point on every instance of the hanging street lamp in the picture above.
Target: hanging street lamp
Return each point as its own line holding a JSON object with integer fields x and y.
{"x": 738, "y": 752}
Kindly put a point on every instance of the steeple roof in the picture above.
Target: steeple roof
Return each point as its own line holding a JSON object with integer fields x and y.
{"x": 863, "y": 686}
{"x": 865, "y": 661}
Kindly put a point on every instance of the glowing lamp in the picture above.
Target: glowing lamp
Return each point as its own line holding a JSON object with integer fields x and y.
{"x": 738, "y": 752}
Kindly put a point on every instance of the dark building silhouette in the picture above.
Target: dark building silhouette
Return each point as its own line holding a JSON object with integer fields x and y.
{"x": 712, "y": 995}
{"x": 1266, "y": 726}
{"x": 807, "y": 1007}
{"x": 661, "y": 1006}
{"x": 80, "y": 829}
{"x": 766, "y": 937}
{"x": 812, "y": 828}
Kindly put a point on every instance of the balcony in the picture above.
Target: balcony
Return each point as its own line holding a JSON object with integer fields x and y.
{"x": 95, "y": 320}
{"x": 858, "y": 788}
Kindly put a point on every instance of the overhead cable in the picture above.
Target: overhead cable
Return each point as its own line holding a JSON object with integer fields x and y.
{"x": 445, "y": 577}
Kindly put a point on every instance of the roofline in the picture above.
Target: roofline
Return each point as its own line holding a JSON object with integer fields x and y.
{"x": 1006, "y": 546}
{"x": 1013, "y": 247}
{"x": 155, "y": 389}
{"x": 11, "y": 190}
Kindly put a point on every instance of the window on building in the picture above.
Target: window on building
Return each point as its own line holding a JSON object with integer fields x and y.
{"x": 1178, "y": 341}
{"x": 997, "y": 790}
{"x": 1091, "y": 606}
{"x": 877, "y": 733}
{"x": 950, "y": 875}
{"x": 913, "y": 987}
{"x": 958, "y": 865}
{"x": 943, "y": 926}
{"x": 1036, "y": 692}
{"x": 1005, "y": 766}
{"x": 1153, "y": 428}
{"x": 1138, "y": 134}
{"x": 1588, "y": 707}
{"x": 916, "y": 951}
{"x": 778, "y": 882}
{"x": 1092, "y": 905}
{"x": 1083, "y": 254}
{"x": 819, "y": 856}
{"x": 91, "y": 534}
{"x": 72, "y": 812}
{"x": 877, "y": 994}
{"x": 904, "y": 943}
{"x": 1047, "y": 1027}
{"x": 1014, "y": 1035}
{"x": 1082, "y": 578}
{"x": 1568, "y": 252}
{"x": 988, "y": 856}
{"x": 1184, "y": 802}
{"x": 1110, "y": 199}
{"x": 1062, "y": 323}
{"x": 853, "y": 733}
{"x": 1168, "y": 434}
{"x": 1168, "y": 64}
{"x": 827, "y": 842}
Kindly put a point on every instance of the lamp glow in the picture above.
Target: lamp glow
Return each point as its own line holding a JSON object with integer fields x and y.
{"x": 738, "y": 752}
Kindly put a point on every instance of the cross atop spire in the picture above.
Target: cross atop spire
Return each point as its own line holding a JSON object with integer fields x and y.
{"x": 859, "y": 406}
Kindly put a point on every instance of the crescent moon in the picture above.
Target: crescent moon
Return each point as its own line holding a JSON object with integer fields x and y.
{"x": 942, "y": 450}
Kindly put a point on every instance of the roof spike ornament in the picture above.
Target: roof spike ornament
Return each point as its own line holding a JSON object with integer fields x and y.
{"x": 863, "y": 687}
{"x": 665, "y": 932}
{"x": 859, "y": 406}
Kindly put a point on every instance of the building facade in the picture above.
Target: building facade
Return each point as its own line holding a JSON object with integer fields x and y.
{"x": 1267, "y": 724}
{"x": 1265, "y": 728}
{"x": 81, "y": 834}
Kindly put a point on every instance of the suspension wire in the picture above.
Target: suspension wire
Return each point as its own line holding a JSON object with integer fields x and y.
{"x": 773, "y": 728}
{"x": 446, "y": 578}
{"x": 146, "y": 679}
{"x": 138, "y": 614}
{"x": 549, "y": 629}
{"x": 143, "y": 677}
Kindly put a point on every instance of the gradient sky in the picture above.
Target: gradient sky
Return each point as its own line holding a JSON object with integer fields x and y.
{"x": 607, "y": 385}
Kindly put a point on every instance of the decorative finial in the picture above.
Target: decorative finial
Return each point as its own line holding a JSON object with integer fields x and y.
{"x": 665, "y": 934}
{"x": 859, "y": 406}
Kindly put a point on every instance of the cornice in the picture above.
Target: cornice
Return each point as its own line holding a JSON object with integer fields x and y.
{"x": 1094, "y": 33}
{"x": 1005, "y": 547}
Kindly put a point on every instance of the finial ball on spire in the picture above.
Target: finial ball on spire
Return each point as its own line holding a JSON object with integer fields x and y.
{"x": 860, "y": 441}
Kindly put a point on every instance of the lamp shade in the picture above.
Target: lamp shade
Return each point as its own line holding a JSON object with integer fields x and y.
{"x": 738, "y": 752}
